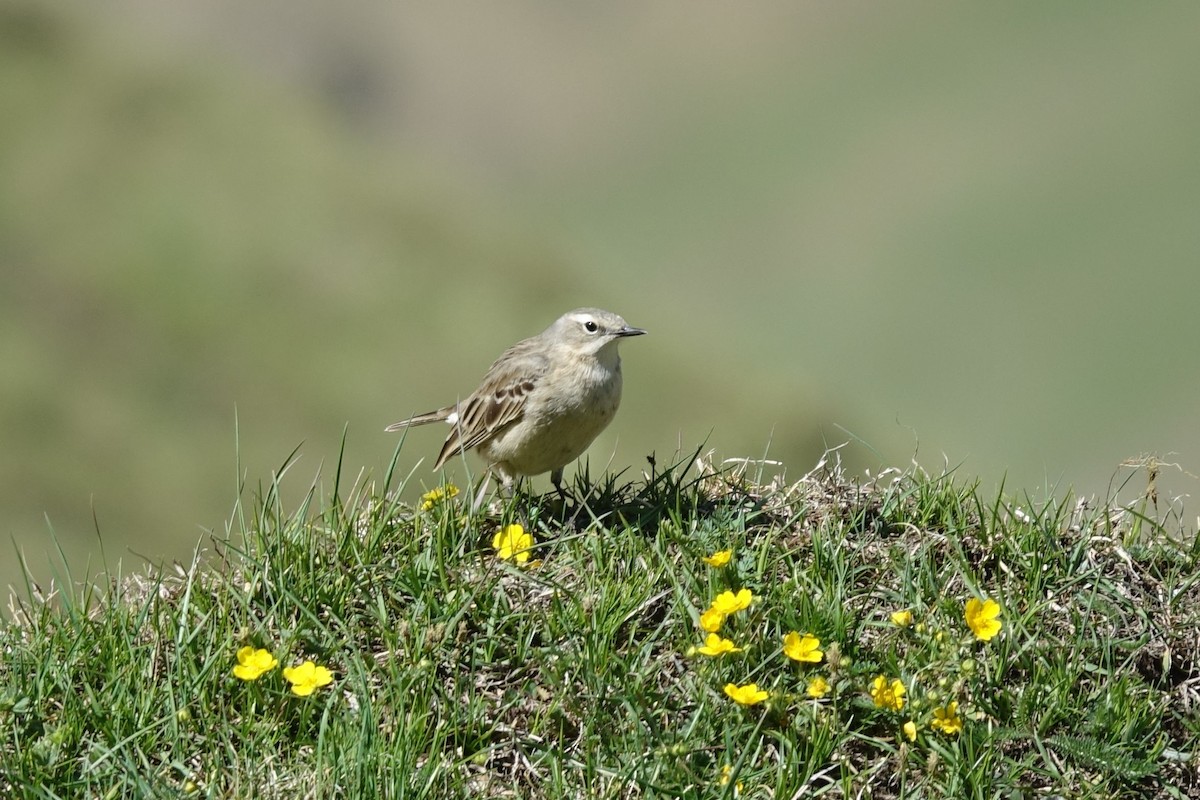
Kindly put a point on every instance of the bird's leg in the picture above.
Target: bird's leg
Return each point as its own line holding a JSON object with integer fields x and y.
{"x": 556, "y": 478}
{"x": 508, "y": 485}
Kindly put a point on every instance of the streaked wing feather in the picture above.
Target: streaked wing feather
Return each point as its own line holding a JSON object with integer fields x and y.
{"x": 498, "y": 402}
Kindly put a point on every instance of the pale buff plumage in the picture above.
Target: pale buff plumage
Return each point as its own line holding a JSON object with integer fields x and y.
{"x": 543, "y": 401}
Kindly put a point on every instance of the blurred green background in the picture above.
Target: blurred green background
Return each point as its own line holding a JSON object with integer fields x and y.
{"x": 952, "y": 232}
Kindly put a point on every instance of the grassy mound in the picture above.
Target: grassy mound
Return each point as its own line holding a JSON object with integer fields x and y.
{"x": 579, "y": 667}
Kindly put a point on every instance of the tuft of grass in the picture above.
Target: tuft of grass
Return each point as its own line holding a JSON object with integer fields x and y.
{"x": 577, "y": 673}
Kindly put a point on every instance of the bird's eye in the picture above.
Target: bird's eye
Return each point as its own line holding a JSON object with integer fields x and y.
{"x": 590, "y": 326}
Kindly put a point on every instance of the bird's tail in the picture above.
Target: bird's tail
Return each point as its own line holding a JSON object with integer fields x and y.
{"x": 441, "y": 415}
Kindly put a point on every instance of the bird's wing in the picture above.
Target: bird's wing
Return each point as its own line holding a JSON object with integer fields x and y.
{"x": 498, "y": 402}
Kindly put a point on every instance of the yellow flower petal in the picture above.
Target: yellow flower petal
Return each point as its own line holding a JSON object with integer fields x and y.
{"x": 983, "y": 617}
{"x": 437, "y": 495}
{"x": 719, "y": 558}
{"x": 711, "y": 620}
{"x": 714, "y": 645}
{"x": 902, "y": 619}
{"x": 728, "y": 602}
{"x": 747, "y": 695}
{"x": 910, "y": 730}
{"x": 946, "y": 719}
{"x": 804, "y": 648}
{"x": 817, "y": 687}
{"x": 886, "y": 695}
{"x": 513, "y": 544}
{"x": 252, "y": 663}
{"x": 306, "y": 678}
{"x": 726, "y": 776}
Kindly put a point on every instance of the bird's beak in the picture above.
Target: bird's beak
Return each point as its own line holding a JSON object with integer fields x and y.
{"x": 628, "y": 331}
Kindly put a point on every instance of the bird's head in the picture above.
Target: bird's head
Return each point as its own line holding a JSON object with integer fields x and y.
{"x": 590, "y": 330}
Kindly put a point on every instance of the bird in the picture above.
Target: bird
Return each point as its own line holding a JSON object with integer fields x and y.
{"x": 541, "y": 403}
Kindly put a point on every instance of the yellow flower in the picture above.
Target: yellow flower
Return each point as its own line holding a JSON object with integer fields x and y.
{"x": 723, "y": 605}
{"x": 726, "y": 776}
{"x": 902, "y": 619}
{"x": 817, "y": 688}
{"x": 714, "y": 645}
{"x": 910, "y": 730}
{"x": 711, "y": 621}
{"x": 802, "y": 648}
{"x": 748, "y": 695}
{"x": 885, "y": 695}
{"x": 946, "y": 719}
{"x": 253, "y": 663}
{"x": 307, "y": 678}
{"x": 728, "y": 602}
{"x": 513, "y": 543}
{"x": 435, "y": 496}
{"x": 719, "y": 558}
{"x": 983, "y": 617}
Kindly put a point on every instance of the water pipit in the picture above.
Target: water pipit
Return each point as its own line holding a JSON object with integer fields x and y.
{"x": 542, "y": 402}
